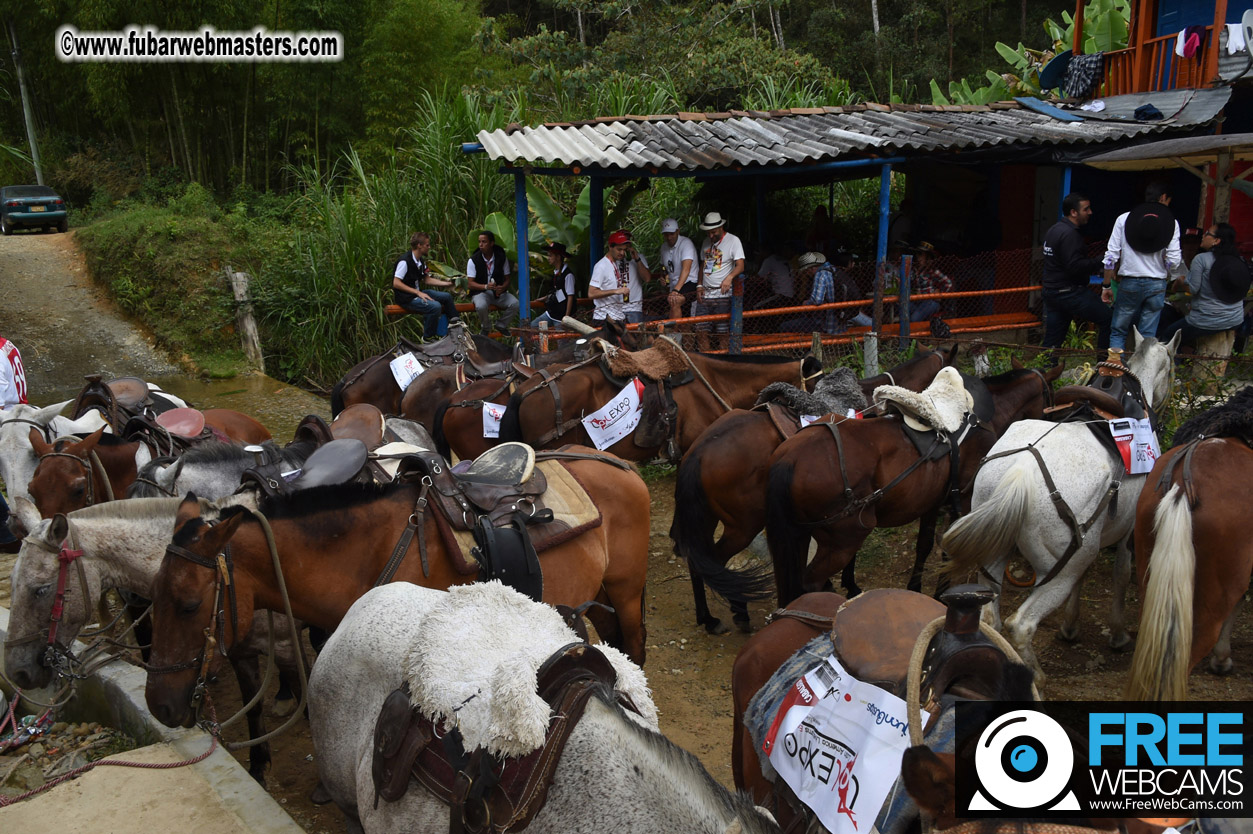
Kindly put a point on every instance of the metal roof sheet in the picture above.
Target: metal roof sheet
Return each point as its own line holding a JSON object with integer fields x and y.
{"x": 705, "y": 141}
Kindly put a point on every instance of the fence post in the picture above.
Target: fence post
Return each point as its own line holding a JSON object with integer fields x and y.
{"x": 737, "y": 315}
{"x": 244, "y": 320}
{"x": 870, "y": 354}
{"x": 543, "y": 336}
{"x": 903, "y": 320}
{"x": 816, "y": 347}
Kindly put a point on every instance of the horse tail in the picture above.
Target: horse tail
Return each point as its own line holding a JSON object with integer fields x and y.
{"x": 337, "y": 399}
{"x": 1159, "y": 670}
{"x": 692, "y": 530}
{"x": 511, "y": 421}
{"x": 437, "y": 432}
{"x": 789, "y": 542}
{"x": 989, "y": 531}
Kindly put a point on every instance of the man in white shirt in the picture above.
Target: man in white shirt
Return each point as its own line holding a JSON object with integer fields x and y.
{"x": 611, "y": 282}
{"x": 12, "y": 392}
{"x": 722, "y": 261}
{"x": 678, "y": 259}
{"x": 1142, "y": 252}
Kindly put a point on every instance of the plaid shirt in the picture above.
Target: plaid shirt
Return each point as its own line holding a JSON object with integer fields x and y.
{"x": 930, "y": 280}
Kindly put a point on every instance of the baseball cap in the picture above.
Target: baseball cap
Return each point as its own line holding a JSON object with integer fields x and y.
{"x": 669, "y": 225}
{"x": 618, "y": 238}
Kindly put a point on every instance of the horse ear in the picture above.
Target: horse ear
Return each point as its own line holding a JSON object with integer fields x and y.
{"x": 1173, "y": 344}
{"x": 188, "y": 509}
{"x": 929, "y": 780}
{"x": 168, "y": 475}
{"x": 1135, "y": 338}
{"x": 1054, "y": 372}
{"x": 1015, "y": 364}
{"x": 59, "y": 528}
{"x": 38, "y": 444}
{"x": 219, "y": 534}
{"x": 952, "y": 354}
{"x": 84, "y": 447}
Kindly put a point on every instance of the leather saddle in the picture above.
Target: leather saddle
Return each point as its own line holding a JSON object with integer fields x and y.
{"x": 118, "y": 400}
{"x": 874, "y": 636}
{"x": 501, "y": 481}
{"x": 486, "y": 793}
{"x": 1105, "y": 397}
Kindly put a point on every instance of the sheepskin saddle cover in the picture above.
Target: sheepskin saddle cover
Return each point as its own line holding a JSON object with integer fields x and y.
{"x": 834, "y": 393}
{"x": 662, "y": 360}
{"x": 474, "y": 662}
{"x": 943, "y": 405}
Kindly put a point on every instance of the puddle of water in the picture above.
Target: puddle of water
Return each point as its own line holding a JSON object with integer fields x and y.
{"x": 278, "y": 406}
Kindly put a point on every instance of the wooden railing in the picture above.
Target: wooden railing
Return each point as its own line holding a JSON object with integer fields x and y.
{"x": 1153, "y": 66}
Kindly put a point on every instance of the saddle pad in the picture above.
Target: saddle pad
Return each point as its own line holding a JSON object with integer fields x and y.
{"x": 490, "y": 691}
{"x": 389, "y": 455}
{"x": 573, "y": 514}
{"x": 658, "y": 362}
{"x": 184, "y": 422}
{"x": 942, "y": 405}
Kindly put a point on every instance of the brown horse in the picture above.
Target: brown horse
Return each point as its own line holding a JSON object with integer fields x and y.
{"x": 722, "y": 478}
{"x": 874, "y": 641}
{"x": 1193, "y": 560}
{"x": 334, "y": 544}
{"x": 720, "y": 383}
{"x": 806, "y": 497}
{"x": 458, "y": 421}
{"x": 74, "y": 473}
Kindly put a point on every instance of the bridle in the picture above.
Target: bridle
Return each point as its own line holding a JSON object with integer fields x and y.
{"x": 89, "y": 464}
{"x": 215, "y": 637}
{"x": 56, "y": 656}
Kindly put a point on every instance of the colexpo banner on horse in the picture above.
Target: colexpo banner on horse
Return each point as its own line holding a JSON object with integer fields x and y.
{"x": 1137, "y": 443}
{"x": 491, "y": 419}
{"x": 406, "y": 369}
{"x": 618, "y": 418}
{"x": 837, "y": 742}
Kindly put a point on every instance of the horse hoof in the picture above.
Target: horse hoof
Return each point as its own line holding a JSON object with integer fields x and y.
{"x": 1121, "y": 642}
{"x": 319, "y": 796}
{"x": 716, "y": 626}
{"x": 1222, "y": 667}
{"x": 743, "y": 626}
{"x": 284, "y": 708}
{"x": 1070, "y": 635}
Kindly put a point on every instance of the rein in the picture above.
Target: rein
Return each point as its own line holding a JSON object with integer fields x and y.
{"x": 45, "y": 428}
{"x": 701, "y": 376}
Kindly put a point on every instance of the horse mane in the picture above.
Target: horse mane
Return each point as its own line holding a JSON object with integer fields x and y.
{"x": 1008, "y": 377}
{"x": 129, "y": 509}
{"x": 106, "y": 440}
{"x": 307, "y": 502}
{"x": 736, "y": 804}
{"x": 1233, "y": 418}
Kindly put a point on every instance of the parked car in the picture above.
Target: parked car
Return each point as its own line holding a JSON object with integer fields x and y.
{"x": 30, "y": 206}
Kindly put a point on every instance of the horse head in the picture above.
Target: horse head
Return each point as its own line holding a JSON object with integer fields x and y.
{"x": 17, "y": 459}
{"x": 1153, "y": 363}
{"x": 36, "y": 585}
{"x": 198, "y": 613}
{"x": 65, "y": 479}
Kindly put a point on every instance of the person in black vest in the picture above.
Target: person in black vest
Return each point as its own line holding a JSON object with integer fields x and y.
{"x": 560, "y": 302}
{"x": 412, "y": 270}
{"x": 1067, "y": 269}
{"x": 488, "y": 271}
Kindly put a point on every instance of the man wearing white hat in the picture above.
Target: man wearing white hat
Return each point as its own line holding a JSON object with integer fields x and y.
{"x": 678, "y": 259}
{"x": 722, "y": 259}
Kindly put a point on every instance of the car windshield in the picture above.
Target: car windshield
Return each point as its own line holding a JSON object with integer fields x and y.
{"x": 29, "y": 191}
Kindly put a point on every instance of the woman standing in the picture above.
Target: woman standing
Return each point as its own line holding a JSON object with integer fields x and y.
{"x": 1218, "y": 281}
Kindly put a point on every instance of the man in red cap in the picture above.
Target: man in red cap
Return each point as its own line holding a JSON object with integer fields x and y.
{"x": 611, "y": 281}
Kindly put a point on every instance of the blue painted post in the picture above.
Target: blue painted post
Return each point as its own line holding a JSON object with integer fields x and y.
{"x": 520, "y": 222}
{"x": 885, "y": 210}
{"x": 737, "y": 315}
{"x": 907, "y": 264}
{"x": 1066, "y": 173}
{"x": 596, "y": 224}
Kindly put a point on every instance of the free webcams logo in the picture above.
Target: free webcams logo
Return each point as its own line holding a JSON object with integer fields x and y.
{"x": 1058, "y": 759}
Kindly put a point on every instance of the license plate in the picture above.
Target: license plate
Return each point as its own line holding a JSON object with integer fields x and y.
{"x": 38, "y": 208}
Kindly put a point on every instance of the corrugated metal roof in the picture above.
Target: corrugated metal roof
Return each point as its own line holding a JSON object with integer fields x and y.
{"x": 707, "y": 141}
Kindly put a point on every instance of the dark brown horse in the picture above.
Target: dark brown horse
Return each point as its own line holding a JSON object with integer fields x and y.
{"x": 1193, "y": 560}
{"x": 806, "y": 497}
{"x": 458, "y": 421}
{"x": 873, "y": 638}
{"x": 74, "y": 473}
{"x": 722, "y": 478}
{"x": 335, "y": 542}
{"x": 720, "y": 383}
{"x": 371, "y": 380}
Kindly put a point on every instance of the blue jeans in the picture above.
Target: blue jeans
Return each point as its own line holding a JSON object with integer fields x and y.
{"x": 923, "y": 310}
{"x": 1079, "y": 304}
{"x": 441, "y": 305}
{"x": 1139, "y": 303}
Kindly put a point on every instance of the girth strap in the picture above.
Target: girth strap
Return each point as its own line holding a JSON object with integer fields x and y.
{"x": 417, "y": 520}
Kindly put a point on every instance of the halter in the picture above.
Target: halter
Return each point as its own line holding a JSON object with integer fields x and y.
{"x": 88, "y": 464}
{"x": 224, "y": 570}
{"x": 56, "y": 656}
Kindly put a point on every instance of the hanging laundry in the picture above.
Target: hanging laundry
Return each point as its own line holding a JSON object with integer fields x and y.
{"x": 1189, "y": 41}
{"x": 1235, "y": 39}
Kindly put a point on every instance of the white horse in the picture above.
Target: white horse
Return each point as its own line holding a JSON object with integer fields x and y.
{"x": 18, "y": 460}
{"x": 616, "y": 773}
{"x": 1012, "y": 510}
{"x": 123, "y": 543}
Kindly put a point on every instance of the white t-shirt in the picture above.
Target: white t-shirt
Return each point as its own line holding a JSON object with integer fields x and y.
{"x": 717, "y": 261}
{"x": 605, "y": 277}
{"x": 472, "y": 272}
{"x": 12, "y": 375}
{"x": 672, "y": 258}
{"x": 635, "y": 302}
{"x": 780, "y": 274}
